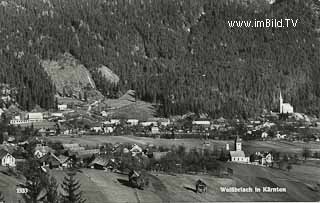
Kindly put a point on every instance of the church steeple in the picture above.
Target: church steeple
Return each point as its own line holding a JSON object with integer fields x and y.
{"x": 281, "y": 102}
{"x": 238, "y": 144}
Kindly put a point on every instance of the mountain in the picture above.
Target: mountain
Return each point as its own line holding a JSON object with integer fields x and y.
{"x": 179, "y": 54}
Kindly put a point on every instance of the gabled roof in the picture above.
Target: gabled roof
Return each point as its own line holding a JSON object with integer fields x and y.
{"x": 237, "y": 154}
{"x": 102, "y": 161}
{"x": 3, "y": 153}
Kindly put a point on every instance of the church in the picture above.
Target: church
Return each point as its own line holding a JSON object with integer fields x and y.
{"x": 285, "y": 107}
{"x": 238, "y": 155}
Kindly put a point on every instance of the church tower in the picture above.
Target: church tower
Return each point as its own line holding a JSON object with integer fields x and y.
{"x": 238, "y": 144}
{"x": 281, "y": 103}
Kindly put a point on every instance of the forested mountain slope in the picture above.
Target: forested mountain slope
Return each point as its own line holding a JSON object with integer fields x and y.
{"x": 180, "y": 54}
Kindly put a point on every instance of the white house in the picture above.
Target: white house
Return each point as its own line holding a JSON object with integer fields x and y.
{"x": 34, "y": 117}
{"x": 201, "y": 122}
{"x": 96, "y": 129}
{"x": 264, "y": 135}
{"x": 40, "y": 151}
{"x": 115, "y": 121}
{"x": 62, "y": 107}
{"x": 133, "y": 122}
{"x": 108, "y": 129}
{"x": 7, "y": 159}
{"x": 135, "y": 150}
{"x": 149, "y": 123}
{"x": 238, "y": 155}
{"x": 155, "y": 130}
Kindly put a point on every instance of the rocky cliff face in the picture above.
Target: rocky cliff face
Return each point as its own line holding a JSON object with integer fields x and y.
{"x": 70, "y": 77}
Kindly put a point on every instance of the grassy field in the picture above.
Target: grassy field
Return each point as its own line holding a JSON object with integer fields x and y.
{"x": 248, "y": 146}
{"x": 96, "y": 140}
{"x": 8, "y": 186}
{"x": 100, "y": 186}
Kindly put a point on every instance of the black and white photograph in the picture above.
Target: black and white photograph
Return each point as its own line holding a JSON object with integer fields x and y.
{"x": 156, "y": 101}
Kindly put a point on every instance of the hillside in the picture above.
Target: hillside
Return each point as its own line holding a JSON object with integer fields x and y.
{"x": 179, "y": 54}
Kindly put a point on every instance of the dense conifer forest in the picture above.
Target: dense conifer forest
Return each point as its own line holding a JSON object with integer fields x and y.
{"x": 179, "y": 54}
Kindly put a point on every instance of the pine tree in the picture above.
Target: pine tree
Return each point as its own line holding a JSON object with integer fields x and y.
{"x": 71, "y": 186}
{"x": 52, "y": 191}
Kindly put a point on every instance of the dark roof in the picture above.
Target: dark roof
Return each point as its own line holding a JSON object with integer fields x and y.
{"x": 3, "y": 153}
{"x": 200, "y": 182}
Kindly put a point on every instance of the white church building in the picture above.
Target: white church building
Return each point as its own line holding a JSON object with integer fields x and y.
{"x": 285, "y": 107}
{"x": 238, "y": 155}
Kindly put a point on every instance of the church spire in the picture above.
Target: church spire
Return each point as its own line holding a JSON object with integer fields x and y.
{"x": 281, "y": 102}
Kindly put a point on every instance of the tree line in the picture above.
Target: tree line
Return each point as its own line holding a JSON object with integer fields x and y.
{"x": 180, "y": 55}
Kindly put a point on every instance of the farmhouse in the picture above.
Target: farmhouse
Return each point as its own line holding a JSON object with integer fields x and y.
{"x": 7, "y": 159}
{"x": 201, "y": 186}
{"x": 133, "y": 122}
{"x": 50, "y": 160}
{"x": 155, "y": 130}
{"x": 34, "y": 117}
{"x": 40, "y": 150}
{"x": 62, "y": 107}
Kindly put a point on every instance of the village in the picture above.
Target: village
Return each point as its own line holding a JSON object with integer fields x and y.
{"x": 57, "y": 140}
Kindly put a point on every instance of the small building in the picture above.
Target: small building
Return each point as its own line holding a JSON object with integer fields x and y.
{"x": 149, "y": 123}
{"x": 62, "y": 107}
{"x": 136, "y": 180}
{"x": 7, "y": 159}
{"x": 50, "y": 160}
{"x": 201, "y": 186}
{"x": 66, "y": 162}
{"x": 40, "y": 151}
{"x": 133, "y": 122}
{"x": 97, "y": 129}
{"x": 34, "y": 117}
{"x": 136, "y": 150}
{"x": 155, "y": 130}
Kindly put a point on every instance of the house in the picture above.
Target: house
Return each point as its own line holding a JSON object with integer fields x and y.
{"x": 265, "y": 159}
{"x": 201, "y": 186}
{"x": 104, "y": 114}
{"x": 97, "y": 129}
{"x": 285, "y": 107}
{"x": 136, "y": 180}
{"x": 135, "y": 150}
{"x": 108, "y": 129}
{"x": 7, "y": 159}
{"x": 99, "y": 163}
{"x": 40, "y": 150}
{"x": 35, "y": 117}
{"x": 50, "y": 160}
{"x": 58, "y": 115}
{"x": 115, "y": 121}
{"x": 155, "y": 130}
{"x": 238, "y": 155}
{"x": 62, "y": 107}
{"x": 66, "y": 162}
{"x": 279, "y": 136}
{"x": 133, "y": 122}
{"x": 201, "y": 122}
{"x": 149, "y": 123}
{"x": 264, "y": 135}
